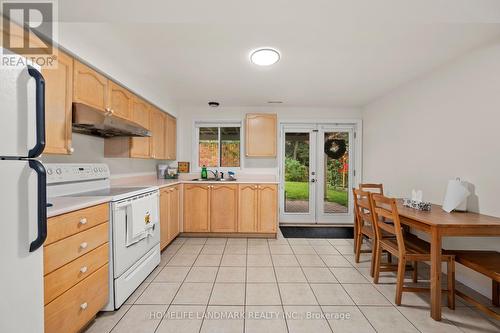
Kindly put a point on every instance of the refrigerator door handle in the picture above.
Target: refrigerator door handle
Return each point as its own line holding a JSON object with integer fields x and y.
{"x": 40, "y": 113}
{"x": 42, "y": 204}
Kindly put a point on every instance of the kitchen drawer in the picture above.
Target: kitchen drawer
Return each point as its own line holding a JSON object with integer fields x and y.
{"x": 62, "y": 252}
{"x": 70, "y": 274}
{"x": 65, "y": 225}
{"x": 72, "y": 310}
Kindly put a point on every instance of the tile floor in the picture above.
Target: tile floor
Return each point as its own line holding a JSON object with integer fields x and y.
{"x": 277, "y": 285}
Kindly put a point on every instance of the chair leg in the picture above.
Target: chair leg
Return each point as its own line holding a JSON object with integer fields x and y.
{"x": 374, "y": 250}
{"x": 376, "y": 272}
{"x": 450, "y": 270}
{"x": 359, "y": 242}
{"x": 400, "y": 280}
{"x": 389, "y": 258}
{"x": 415, "y": 272}
{"x": 495, "y": 299}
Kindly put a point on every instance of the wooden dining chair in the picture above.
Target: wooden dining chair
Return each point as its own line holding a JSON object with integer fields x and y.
{"x": 407, "y": 249}
{"x": 374, "y": 188}
{"x": 365, "y": 228}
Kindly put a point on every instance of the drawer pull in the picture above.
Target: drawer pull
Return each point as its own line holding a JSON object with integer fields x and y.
{"x": 83, "y": 269}
{"x": 83, "y": 221}
{"x": 83, "y": 306}
{"x": 84, "y": 245}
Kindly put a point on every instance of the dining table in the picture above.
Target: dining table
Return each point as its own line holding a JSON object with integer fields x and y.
{"x": 439, "y": 224}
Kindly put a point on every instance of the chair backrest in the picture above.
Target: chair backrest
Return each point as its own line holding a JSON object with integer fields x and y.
{"x": 374, "y": 188}
{"x": 385, "y": 209}
{"x": 363, "y": 209}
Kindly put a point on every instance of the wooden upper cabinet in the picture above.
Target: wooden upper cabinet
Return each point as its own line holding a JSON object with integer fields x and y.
{"x": 248, "y": 208}
{"x": 89, "y": 87}
{"x": 157, "y": 134}
{"x": 58, "y": 104}
{"x": 170, "y": 137}
{"x": 196, "y": 208}
{"x": 140, "y": 147}
{"x": 223, "y": 208}
{"x": 119, "y": 101}
{"x": 261, "y": 135}
{"x": 268, "y": 204}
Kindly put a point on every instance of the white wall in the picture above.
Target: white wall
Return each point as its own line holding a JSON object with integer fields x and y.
{"x": 443, "y": 125}
{"x": 188, "y": 115}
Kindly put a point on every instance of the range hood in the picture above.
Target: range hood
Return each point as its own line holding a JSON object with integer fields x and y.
{"x": 90, "y": 121}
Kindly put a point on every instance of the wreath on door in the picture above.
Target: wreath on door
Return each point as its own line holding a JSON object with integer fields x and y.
{"x": 335, "y": 148}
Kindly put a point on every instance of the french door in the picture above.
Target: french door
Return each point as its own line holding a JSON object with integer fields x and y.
{"x": 316, "y": 173}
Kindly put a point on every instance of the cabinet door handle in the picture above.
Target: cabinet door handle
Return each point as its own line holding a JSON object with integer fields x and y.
{"x": 83, "y": 306}
{"x": 71, "y": 150}
{"x": 84, "y": 245}
{"x": 83, "y": 269}
{"x": 83, "y": 221}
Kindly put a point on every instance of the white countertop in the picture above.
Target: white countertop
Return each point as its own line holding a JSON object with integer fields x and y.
{"x": 63, "y": 205}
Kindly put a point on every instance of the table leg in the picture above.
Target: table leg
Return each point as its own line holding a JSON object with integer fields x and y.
{"x": 435, "y": 273}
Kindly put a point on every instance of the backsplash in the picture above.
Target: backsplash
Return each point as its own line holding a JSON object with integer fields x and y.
{"x": 90, "y": 149}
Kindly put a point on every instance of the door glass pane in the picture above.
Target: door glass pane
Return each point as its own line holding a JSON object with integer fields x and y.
{"x": 230, "y": 146}
{"x": 336, "y": 183}
{"x": 208, "y": 147}
{"x": 297, "y": 172}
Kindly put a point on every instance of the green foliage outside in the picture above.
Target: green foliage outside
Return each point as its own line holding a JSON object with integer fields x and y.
{"x": 300, "y": 191}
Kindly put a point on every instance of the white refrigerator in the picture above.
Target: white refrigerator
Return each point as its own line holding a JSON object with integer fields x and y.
{"x": 23, "y": 201}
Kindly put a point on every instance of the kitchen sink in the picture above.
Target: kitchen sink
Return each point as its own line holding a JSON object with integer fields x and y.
{"x": 214, "y": 180}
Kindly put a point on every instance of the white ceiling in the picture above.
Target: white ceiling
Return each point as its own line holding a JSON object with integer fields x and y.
{"x": 334, "y": 53}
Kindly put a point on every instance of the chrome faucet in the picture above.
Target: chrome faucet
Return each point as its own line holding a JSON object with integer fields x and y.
{"x": 215, "y": 173}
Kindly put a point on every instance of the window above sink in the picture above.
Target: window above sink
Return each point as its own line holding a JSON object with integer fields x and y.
{"x": 218, "y": 145}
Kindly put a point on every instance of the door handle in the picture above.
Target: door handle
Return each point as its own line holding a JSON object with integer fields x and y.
{"x": 40, "y": 113}
{"x": 313, "y": 180}
{"x": 42, "y": 204}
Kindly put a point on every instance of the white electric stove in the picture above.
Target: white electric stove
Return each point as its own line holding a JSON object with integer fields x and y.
{"x": 134, "y": 228}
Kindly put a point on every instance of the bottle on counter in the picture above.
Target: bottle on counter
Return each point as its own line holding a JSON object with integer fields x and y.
{"x": 204, "y": 173}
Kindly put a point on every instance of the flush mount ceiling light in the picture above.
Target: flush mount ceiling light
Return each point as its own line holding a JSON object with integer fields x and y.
{"x": 265, "y": 56}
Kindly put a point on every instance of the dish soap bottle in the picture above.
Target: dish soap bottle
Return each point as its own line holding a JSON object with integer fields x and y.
{"x": 204, "y": 174}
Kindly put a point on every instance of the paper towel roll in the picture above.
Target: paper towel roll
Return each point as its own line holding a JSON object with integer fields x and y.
{"x": 456, "y": 196}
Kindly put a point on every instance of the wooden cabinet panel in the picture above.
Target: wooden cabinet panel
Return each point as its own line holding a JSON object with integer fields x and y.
{"x": 247, "y": 208}
{"x": 196, "y": 208}
{"x": 58, "y": 104}
{"x": 223, "y": 208}
{"x": 77, "y": 306}
{"x": 174, "y": 216}
{"x": 157, "y": 134}
{"x": 164, "y": 216}
{"x": 140, "y": 147}
{"x": 65, "y": 225}
{"x": 60, "y": 253}
{"x": 170, "y": 137}
{"x": 119, "y": 101}
{"x": 260, "y": 137}
{"x": 68, "y": 275}
{"x": 89, "y": 87}
{"x": 268, "y": 204}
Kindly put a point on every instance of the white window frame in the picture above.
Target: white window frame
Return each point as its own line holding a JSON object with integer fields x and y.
{"x": 195, "y": 159}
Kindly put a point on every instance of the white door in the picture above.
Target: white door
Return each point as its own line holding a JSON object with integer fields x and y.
{"x": 316, "y": 173}
{"x": 21, "y": 280}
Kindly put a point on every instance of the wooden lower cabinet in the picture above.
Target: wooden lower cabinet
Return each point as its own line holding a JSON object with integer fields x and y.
{"x": 231, "y": 208}
{"x": 258, "y": 207}
{"x": 223, "y": 208}
{"x": 196, "y": 208}
{"x": 71, "y": 311}
{"x": 169, "y": 214}
{"x": 76, "y": 259}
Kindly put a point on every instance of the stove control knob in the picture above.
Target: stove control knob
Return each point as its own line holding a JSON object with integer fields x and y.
{"x": 58, "y": 171}
{"x": 95, "y": 170}
{"x": 49, "y": 172}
